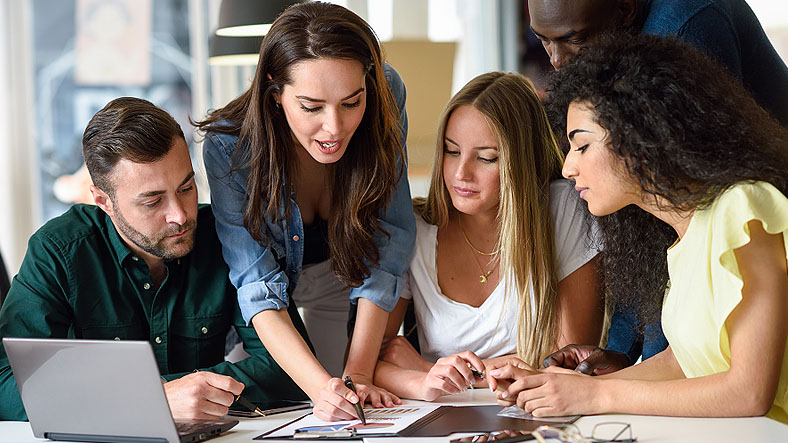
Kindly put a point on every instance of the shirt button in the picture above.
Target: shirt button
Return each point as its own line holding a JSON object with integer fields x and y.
{"x": 135, "y": 258}
{"x": 204, "y": 330}
{"x": 157, "y": 340}
{"x": 296, "y": 238}
{"x": 146, "y": 286}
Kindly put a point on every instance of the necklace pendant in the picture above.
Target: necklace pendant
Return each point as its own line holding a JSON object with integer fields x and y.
{"x": 482, "y": 278}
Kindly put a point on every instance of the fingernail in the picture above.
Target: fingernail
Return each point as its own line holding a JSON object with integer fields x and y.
{"x": 495, "y": 372}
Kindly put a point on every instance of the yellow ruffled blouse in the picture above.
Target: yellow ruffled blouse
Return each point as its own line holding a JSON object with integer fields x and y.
{"x": 705, "y": 283}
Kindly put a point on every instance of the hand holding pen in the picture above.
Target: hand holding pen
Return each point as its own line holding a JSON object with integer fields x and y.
{"x": 357, "y": 405}
{"x": 336, "y": 401}
{"x": 249, "y": 405}
{"x": 237, "y": 398}
{"x": 451, "y": 375}
{"x": 202, "y": 394}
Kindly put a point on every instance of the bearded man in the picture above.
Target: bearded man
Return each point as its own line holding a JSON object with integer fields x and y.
{"x": 144, "y": 263}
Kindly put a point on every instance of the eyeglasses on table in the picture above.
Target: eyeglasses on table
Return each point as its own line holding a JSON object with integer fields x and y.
{"x": 605, "y": 432}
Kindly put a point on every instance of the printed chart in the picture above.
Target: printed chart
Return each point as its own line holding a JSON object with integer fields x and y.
{"x": 379, "y": 421}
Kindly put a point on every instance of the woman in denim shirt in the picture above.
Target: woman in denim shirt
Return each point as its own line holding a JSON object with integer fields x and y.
{"x": 317, "y": 139}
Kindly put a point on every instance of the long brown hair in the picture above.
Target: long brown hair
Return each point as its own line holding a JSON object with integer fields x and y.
{"x": 362, "y": 180}
{"x": 529, "y": 159}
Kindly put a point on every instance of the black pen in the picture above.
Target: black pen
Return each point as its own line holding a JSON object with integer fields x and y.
{"x": 476, "y": 372}
{"x": 357, "y": 405}
{"x": 249, "y": 405}
{"x": 243, "y": 402}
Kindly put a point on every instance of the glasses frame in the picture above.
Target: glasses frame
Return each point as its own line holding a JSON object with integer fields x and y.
{"x": 565, "y": 432}
{"x": 626, "y": 427}
{"x": 570, "y": 433}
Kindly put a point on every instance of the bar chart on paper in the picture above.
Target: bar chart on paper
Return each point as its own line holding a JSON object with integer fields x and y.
{"x": 390, "y": 413}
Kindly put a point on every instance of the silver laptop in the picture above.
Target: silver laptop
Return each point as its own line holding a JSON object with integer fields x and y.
{"x": 96, "y": 390}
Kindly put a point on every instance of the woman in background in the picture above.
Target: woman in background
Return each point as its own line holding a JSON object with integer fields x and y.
{"x": 308, "y": 166}
{"x": 502, "y": 263}
{"x": 655, "y": 125}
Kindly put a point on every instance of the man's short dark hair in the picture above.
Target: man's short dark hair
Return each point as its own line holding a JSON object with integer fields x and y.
{"x": 126, "y": 128}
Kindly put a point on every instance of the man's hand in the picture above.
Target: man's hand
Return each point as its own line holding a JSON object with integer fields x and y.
{"x": 203, "y": 395}
{"x": 399, "y": 352}
{"x": 586, "y": 359}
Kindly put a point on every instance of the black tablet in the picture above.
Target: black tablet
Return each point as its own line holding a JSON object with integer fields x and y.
{"x": 269, "y": 408}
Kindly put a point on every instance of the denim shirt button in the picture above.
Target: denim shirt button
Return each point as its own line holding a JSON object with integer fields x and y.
{"x": 296, "y": 238}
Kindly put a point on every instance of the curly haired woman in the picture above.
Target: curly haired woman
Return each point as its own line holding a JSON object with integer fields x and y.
{"x": 663, "y": 140}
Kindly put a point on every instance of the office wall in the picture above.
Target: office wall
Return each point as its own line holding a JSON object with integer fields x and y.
{"x": 19, "y": 188}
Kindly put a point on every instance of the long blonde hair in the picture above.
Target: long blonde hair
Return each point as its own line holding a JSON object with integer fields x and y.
{"x": 529, "y": 159}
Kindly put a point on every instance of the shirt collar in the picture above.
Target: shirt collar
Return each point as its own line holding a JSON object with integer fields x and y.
{"x": 121, "y": 250}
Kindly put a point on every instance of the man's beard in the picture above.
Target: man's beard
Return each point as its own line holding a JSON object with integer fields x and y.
{"x": 156, "y": 246}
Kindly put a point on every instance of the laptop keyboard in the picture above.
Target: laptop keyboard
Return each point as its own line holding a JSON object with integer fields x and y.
{"x": 186, "y": 427}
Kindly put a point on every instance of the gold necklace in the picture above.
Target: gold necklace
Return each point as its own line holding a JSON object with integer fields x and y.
{"x": 459, "y": 220}
{"x": 484, "y": 274}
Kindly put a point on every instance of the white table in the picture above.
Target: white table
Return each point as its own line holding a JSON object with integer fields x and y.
{"x": 646, "y": 428}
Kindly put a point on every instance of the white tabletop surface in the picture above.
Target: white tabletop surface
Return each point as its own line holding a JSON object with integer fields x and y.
{"x": 645, "y": 428}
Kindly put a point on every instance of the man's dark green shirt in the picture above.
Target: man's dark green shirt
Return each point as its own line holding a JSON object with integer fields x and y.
{"x": 79, "y": 280}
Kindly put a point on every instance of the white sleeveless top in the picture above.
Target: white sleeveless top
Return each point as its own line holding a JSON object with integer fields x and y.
{"x": 447, "y": 327}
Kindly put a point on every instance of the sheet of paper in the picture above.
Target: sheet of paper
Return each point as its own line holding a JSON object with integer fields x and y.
{"x": 382, "y": 420}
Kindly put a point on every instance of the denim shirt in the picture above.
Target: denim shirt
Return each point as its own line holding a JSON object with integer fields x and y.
{"x": 626, "y": 335}
{"x": 266, "y": 275}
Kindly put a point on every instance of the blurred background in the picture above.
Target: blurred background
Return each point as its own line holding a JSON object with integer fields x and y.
{"x": 62, "y": 60}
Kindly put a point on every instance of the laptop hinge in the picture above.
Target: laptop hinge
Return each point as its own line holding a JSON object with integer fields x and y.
{"x": 62, "y": 436}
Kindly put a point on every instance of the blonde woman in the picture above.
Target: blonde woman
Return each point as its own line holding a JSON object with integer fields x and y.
{"x": 503, "y": 262}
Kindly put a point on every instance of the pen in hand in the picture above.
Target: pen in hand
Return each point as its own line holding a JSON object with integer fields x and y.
{"x": 249, "y": 405}
{"x": 357, "y": 405}
{"x": 476, "y": 372}
{"x": 242, "y": 401}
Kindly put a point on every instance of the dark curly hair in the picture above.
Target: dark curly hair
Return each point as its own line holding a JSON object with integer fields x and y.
{"x": 686, "y": 130}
